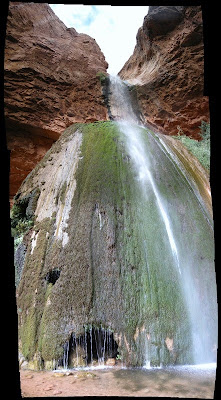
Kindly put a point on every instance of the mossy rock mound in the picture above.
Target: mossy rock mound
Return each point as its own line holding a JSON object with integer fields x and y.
{"x": 97, "y": 253}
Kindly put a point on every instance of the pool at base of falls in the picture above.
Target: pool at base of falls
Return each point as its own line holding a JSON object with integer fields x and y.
{"x": 198, "y": 368}
{"x": 184, "y": 381}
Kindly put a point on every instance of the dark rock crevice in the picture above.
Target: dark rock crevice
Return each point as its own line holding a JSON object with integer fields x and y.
{"x": 95, "y": 346}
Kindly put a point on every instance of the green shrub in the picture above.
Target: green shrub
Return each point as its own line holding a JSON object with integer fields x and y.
{"x": 200, "y": 149}
{"x": 102, "y": 76}
{"x": 21, "y": 227}
{"x": 22, "y": 213}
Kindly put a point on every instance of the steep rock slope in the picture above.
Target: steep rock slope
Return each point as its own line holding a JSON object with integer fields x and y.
{"x": 167, "y": 67}
{"x": 50, "y": 83}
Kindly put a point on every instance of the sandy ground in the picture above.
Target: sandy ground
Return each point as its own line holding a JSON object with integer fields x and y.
{"x": 116, "y": 382}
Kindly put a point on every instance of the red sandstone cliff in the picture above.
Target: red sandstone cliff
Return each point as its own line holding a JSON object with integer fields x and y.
{"x": 50, "y": 83}
{"x": 167, "y": 67}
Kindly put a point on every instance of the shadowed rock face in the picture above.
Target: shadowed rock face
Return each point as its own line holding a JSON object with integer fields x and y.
{"x": 167, "y": 69}
{"x": 161, "y": 20}
{"x": 50, "y": 83}
{"x": 96, "y": 258}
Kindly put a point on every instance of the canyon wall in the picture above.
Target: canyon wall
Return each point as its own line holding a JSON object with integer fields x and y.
{"x": 51, "y": 82}
{"x": 52, "y": 78}
{"x": 167, "y": 70}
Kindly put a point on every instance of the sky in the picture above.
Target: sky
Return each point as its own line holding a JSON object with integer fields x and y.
{"x": 113, "y": 27}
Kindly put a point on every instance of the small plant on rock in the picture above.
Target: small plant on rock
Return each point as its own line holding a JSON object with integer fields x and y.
{"x": 200, "y": 149}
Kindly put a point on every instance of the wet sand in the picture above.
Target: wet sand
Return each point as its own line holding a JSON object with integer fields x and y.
{"x": 167, "y": 382}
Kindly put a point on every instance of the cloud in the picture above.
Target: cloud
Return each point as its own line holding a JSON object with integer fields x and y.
{"x": 91, "y": 16}
{"x": 73, "y": 15}
{"x": 113, "y": 27}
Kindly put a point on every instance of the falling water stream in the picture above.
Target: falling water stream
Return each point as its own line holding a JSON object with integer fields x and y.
{"x": 99, "y": 343}
{"x": 128, "y": 122}
{"x": 146, "y": 164}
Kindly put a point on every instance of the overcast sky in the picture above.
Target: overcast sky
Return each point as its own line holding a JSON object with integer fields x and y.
{"x": 113, "y": 27}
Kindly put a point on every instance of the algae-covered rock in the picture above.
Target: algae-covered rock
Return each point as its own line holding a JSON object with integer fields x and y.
{"x": 98, "y": 267}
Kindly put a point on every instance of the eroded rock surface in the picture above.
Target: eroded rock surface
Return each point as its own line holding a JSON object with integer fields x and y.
{"x": 167, "y": 69}
{"x": 50, "y": 82}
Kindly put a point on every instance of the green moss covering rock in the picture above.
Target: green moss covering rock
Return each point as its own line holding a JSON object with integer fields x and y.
{"x": 115, "y": 269}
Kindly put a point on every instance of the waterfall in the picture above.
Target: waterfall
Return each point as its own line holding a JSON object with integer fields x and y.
{"x": 135, "y": 282}
{"x": 128, "y": 120}
{"x": 145, "y": 153}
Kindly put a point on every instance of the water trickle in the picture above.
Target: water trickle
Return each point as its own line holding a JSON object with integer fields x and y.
{"x": 65, "y": 357}
{"x": 93, "y": 348}
{"x": 91, "y": 344}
